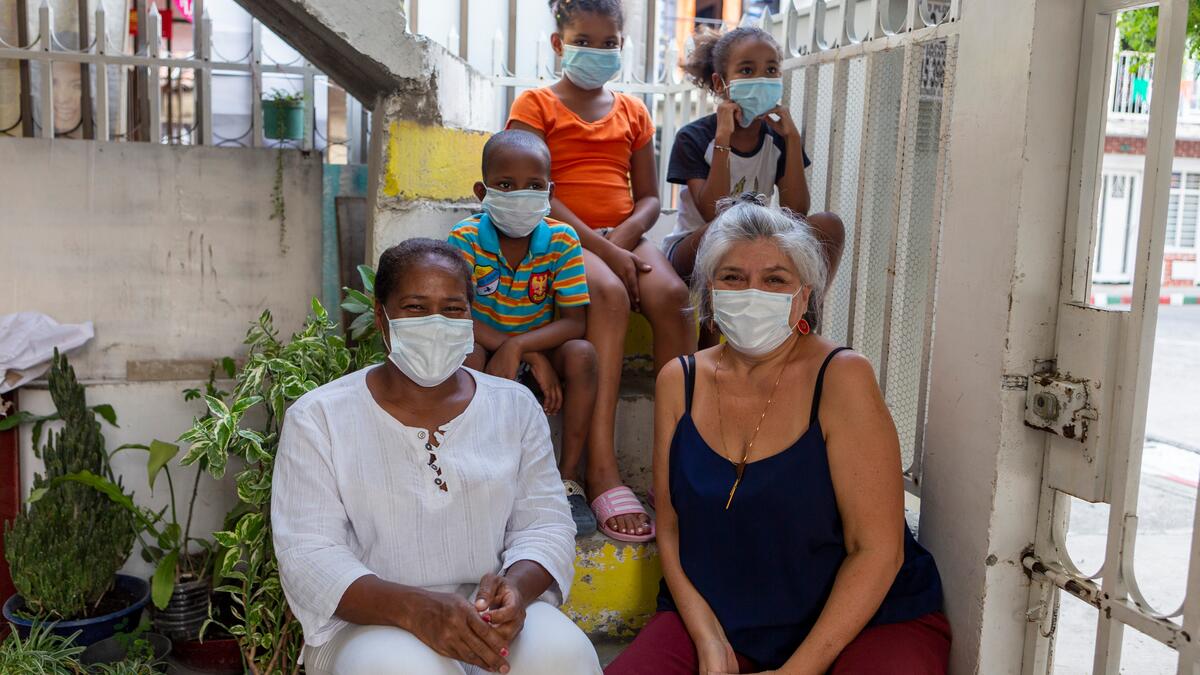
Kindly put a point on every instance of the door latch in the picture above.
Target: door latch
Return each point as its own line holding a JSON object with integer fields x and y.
{"x": 1059, "y": 404}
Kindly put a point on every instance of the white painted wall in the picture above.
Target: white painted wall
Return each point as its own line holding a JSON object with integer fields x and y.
{"x": 171, "y": 252}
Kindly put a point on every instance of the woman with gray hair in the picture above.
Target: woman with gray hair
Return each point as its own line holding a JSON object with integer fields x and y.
{"x": 782, "y": 536}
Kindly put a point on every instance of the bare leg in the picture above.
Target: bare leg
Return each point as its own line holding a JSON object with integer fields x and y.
{"x": 575, "y": 362}
{"x": 608, "y": 321}
{"x": 666, "y": 303}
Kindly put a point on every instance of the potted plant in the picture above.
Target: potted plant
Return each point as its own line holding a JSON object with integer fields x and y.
{"x": 181, "y": 585}
{"x": 65, "y": 547}
{"x": 41, "y": 651}
{"x": 283, "y": 116}
{"x": 276, "y": 373}
{"x": 136, "y": 653}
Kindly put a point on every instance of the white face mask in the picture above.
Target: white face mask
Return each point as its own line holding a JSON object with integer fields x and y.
{"x": 429, "y": 349}
{"x": 754, "y": 322}
{"x": 517, "y": 213}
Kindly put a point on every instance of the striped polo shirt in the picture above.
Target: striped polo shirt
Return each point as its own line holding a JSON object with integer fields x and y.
{"x": 519, "y": 299}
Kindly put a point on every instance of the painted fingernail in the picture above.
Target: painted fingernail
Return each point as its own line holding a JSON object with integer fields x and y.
{"x": 487, "y": 617}
{"x": 504, "y": 652}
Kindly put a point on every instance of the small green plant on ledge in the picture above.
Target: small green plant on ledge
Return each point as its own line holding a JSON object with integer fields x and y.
{"x": 64, "y": 550}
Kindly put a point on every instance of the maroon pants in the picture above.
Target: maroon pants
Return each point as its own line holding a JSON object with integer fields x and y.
{"x": 917, "y": 647}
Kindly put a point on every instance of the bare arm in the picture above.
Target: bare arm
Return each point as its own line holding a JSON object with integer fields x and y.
{"x": 711, "y": 644}
{"x": 707, "y": 192}
{"x": 793, "y": 185}
{"x": 647, "y": 206}
{"x": 491, "y": 339}
{"x": 571, "y": 325}
{"x": 864, "y": 462}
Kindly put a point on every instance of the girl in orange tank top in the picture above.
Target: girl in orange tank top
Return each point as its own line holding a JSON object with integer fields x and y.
{"x": 605, "y": 186}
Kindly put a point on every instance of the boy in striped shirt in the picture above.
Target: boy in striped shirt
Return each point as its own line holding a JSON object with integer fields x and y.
{"x": 531, "y": 295}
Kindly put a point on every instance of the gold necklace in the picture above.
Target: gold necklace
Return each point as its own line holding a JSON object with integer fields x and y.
{"x": 741, "y": 466}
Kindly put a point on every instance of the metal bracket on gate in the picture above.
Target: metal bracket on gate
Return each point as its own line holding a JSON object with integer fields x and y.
{"x": 1060, "y": 404}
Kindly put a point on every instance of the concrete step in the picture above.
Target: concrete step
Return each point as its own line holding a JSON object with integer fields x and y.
{"x": 615, "y": 589}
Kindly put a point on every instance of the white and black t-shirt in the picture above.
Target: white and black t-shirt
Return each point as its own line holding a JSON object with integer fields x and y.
{"x": 691, "y": 158}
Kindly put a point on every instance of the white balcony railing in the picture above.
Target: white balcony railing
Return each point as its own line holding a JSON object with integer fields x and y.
{"x": 1131, "y": 89}
{"x": 170, "y": 98}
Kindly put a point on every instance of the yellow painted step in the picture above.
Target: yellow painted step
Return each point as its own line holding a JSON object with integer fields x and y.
{"x": 615, "y": 589}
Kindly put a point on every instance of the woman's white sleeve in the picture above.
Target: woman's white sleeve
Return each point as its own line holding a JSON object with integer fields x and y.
{"x": 310, "y": 526}
{"x": 540, "y": 528}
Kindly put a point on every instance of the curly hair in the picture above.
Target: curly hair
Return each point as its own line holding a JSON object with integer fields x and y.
{"x": 565, "y": 11}
{"x": 711, "y": 52}
{"x": 406, "y": 256}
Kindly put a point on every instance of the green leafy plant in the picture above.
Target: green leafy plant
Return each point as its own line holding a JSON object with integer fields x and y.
{"x": 171, "y": 551}
{"x": 42, "y": 653}
{"x": 276, "y": 373}
{"x": 64, "y": 550}
{"x": 1138, "y": 29}
{"x": 361, "y": 304}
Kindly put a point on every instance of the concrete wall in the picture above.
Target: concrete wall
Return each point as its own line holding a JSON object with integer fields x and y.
{"x": 171, "y": 252}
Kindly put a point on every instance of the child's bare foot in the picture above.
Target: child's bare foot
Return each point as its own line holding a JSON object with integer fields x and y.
{"x": 601, "y": 480}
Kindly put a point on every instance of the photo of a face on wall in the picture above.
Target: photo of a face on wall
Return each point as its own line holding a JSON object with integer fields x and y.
{"x": 68, "y": 89}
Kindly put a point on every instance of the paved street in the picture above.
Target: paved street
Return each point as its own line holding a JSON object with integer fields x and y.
{"x": 1166, "y": 505}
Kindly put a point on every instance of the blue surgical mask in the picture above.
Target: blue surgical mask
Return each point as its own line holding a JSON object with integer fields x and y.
{"x": 516, "y": 213}
{"x": 756, "y": 96}
{"x": 590, "y": 68}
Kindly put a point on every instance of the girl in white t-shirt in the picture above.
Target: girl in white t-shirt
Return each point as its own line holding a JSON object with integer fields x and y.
{"x": 750, "y": 144}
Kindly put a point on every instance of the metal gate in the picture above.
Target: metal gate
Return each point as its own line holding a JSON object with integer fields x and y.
{"x": 1094, "y": 396}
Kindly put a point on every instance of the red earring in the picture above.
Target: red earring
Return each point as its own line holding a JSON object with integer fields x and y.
{"x": 803, "y": 327}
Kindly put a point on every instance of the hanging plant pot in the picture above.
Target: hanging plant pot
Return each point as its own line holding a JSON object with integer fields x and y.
{"x": 122, "y": 612}
{"x": 283, "y": 119}
{"x": 186, "y": 611}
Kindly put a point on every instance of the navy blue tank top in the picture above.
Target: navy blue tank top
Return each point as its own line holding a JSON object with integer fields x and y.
{"x": 767, "y": 565}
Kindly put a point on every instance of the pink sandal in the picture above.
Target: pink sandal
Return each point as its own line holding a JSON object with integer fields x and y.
{"x": 620, "y": 501}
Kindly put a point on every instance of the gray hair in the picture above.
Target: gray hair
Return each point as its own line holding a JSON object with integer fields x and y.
{"x": 747, "y": 219}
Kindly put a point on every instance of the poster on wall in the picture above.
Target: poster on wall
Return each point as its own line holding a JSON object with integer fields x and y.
{"x": 10, "y": 95}
{"x": 67, "y": 77}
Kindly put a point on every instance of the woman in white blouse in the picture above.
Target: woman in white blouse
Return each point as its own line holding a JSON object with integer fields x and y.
{"x": 418, "y": 515}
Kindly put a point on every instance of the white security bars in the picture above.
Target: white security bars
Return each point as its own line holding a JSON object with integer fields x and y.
{"x": 1109, "y": 355}
{"x": 870, "y": 83}
{"x": 151, "y": 63}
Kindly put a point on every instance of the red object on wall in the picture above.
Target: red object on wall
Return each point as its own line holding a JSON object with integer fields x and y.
{"x": 10, "y": 489}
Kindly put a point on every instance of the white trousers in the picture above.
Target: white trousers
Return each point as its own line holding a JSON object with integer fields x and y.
{"x": 549, "y": 644}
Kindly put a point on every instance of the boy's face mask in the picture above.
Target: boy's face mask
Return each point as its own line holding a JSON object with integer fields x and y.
{"x": 517, "y": 213}
{"x": 590, "y": 68}
{"x": 756, "y": 96}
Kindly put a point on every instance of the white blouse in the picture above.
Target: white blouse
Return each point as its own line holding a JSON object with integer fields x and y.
{"x": 355, "y": 492}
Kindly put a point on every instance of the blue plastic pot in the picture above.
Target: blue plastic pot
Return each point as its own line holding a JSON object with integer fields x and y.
{"x": 91, "y": 630}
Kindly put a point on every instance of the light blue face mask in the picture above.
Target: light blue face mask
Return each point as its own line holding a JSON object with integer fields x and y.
{"x": 756, "y": 96}
{"x": 590, "y": 68}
